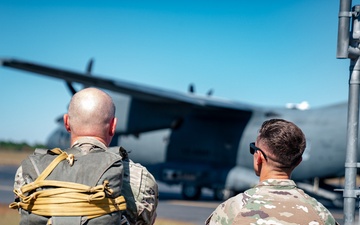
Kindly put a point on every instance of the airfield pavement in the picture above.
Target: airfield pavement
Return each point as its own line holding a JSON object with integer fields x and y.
{"x": 171, "y": 205}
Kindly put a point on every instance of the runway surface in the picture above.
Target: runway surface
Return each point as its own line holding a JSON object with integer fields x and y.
{"x": 171, "y": 205}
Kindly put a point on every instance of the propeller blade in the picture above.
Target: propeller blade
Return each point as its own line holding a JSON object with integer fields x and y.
{"x": 71, "y": 88}
{"x": 88, "y": 72}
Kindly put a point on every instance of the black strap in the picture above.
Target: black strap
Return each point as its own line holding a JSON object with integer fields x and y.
{"x": 123, "y": 153}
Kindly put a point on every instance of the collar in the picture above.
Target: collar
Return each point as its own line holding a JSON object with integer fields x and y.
{"x": 86, "y": 144}
{"x": 277, "y": 182}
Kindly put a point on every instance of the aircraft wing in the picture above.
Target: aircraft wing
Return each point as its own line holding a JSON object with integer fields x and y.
{"x": 134, "y": 90}
{"x": 150, "y": 108}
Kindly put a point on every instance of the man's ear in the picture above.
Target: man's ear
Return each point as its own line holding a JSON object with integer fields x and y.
{"x": 259, "y": 158}
{"x": 113, "y": 126}
{"x": 66, "y": 122}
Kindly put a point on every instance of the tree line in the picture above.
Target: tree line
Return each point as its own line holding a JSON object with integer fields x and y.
{"x": 19, "y": 146}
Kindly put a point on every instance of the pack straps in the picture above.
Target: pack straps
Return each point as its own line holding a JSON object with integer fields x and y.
{"x": 68, "y": 198}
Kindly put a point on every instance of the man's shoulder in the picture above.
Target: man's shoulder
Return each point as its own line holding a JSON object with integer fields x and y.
{"x": 225, "y": 212}
{"x": 19, "y": 180}
{"x": 318, "y": 207}
{"x": 281, "y": 202}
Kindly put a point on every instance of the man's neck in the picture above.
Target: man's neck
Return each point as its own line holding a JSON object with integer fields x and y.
{"x": 273, "y": 174}
{"x": 77, "y": 139}
{"x": 88, "y": 139}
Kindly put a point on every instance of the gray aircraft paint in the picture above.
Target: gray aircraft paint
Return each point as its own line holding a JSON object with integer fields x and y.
{"x": 203, "y": 141}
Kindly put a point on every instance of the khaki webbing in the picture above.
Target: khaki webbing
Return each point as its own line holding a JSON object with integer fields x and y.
{"x": 66, "y": 198}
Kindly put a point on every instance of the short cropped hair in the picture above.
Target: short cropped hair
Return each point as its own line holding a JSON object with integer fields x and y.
{"x": 285, "y": 141}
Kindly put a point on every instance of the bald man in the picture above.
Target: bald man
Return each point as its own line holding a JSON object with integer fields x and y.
{"x": 91, "y": 122}
{"x": 90, "y": 119}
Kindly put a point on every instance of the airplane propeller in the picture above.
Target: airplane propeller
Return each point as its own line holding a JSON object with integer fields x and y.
{"x": 71, "y": 88}
{"x": 88, "y": 72}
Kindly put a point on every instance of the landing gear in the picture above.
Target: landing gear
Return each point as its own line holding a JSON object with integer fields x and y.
{"x": 191, "y": 192}
{"x": 222, "y": 194}
{"x": 219, "y": 194}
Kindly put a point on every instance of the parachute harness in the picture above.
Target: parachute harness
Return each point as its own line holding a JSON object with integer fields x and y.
{"x": 66, "y": 198}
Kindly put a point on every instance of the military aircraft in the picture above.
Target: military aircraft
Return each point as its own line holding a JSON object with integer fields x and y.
{"x": 203, "y": 141}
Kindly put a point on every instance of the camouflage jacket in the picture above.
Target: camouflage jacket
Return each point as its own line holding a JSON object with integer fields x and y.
{"x": 273, "y": 201}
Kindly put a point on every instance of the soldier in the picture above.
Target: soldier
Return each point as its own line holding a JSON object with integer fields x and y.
{"x": 91, "y": 123}
{"x": 276, "y": 199}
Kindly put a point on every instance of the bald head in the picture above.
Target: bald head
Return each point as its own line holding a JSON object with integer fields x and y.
{"x": 91, "y": 113}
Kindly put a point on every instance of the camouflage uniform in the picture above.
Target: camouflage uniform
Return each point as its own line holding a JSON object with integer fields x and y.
{"x": 141, "y": 183}
{"x": 273, "y": 201}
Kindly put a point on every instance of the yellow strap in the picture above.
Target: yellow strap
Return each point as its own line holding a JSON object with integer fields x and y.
{"x": 61, "y": 156}
{"x": 53, "y": 183}
{"x": 66, "y": 198}
{"x": 65, "y": 206}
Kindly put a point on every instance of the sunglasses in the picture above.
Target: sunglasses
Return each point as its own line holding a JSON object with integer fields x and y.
{"x": 254, "y": 149}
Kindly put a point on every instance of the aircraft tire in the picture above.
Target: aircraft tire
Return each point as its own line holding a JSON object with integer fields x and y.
{"x": 223, "y": 194}
{"x": 191, "y": 192}
{"x": 219, "y": 194}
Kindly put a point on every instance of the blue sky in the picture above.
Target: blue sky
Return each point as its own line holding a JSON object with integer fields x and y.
{"x": 261, "y": 52}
